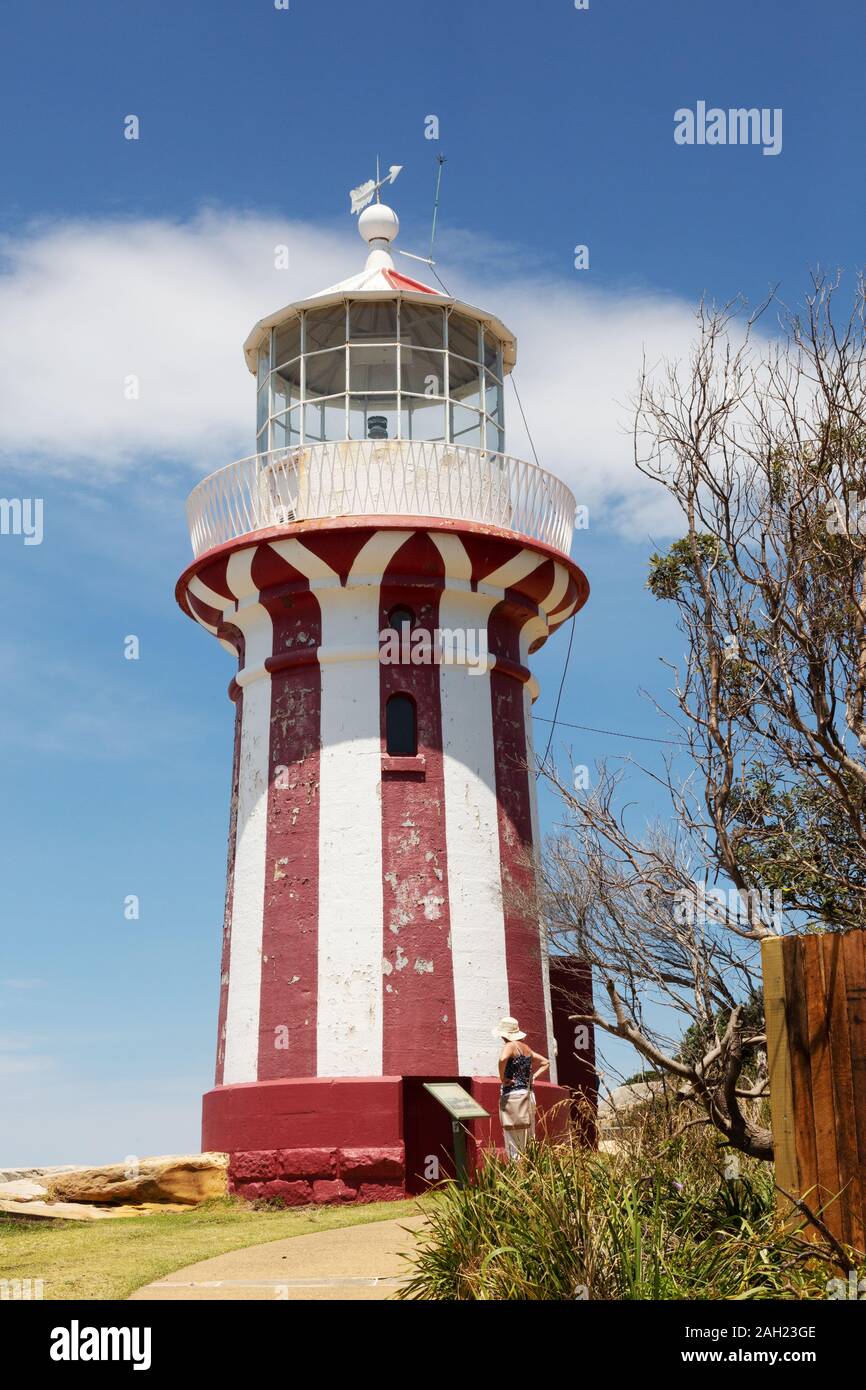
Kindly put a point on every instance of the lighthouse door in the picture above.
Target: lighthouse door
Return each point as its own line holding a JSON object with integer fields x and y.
{"x": 427, "y": 1134}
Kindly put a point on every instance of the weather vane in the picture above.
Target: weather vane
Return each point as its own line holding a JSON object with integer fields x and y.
{"x": 363, "y": 194}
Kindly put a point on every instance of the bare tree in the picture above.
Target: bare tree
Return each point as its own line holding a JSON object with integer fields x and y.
{"x": 763, "y": 450}
{"x": 669, "y": 953}
{"x": 761, "y": 443}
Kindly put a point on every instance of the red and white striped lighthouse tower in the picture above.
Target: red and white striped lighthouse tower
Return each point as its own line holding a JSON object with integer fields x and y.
{"x": 376, "y": 922}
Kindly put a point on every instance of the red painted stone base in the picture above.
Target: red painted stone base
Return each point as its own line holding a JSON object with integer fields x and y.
{"x": 318, "y": 1139}
{"x": 337, "y": 1139}
{"x": 299, "y": 1177}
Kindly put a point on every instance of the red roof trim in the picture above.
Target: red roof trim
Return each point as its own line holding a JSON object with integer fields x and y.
{"x": 402, "y": 282}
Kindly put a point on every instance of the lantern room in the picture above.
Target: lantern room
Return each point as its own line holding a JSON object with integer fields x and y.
{"x": 380, "y": 356}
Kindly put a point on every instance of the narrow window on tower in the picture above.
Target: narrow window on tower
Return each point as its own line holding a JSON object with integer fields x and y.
{"x": 401, "y": 727}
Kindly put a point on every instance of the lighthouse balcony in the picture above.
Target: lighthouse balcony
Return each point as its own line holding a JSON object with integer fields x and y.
{"x": 388, "y": 478}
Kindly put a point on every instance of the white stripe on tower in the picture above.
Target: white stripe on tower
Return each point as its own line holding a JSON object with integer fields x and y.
{"x": 245, "y": 952}
{"x": 349, "y": 1024}
{"x": 471, "y": 826}
{"x": 531, "y": 630}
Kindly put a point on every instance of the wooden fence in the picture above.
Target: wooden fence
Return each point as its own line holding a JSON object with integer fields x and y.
{"x": 815, "y": 1003}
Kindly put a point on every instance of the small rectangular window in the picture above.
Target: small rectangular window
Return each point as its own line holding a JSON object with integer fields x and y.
{"x": 401, "y": 730}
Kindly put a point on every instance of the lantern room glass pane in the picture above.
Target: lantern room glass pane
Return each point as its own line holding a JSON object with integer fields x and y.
{"x": 285, "y": 387}
{"x": 326, "y": 373}
{"x": 423, "y": 327}
{"x": 325, "y": 420}
{"x": 374, "y": 322}
{"x": 263, "y": 361}
{"x": 463, "y": 337}
{"x": 495, "y": 437}
{"x": 492, "y": 354}
{"x": 464, "y": 382}
{"x": 493, "y": 402}
{"x": 287, "y": 342}
{"x": 373, "y": 417}
{"x": 466, "y": 427}
{"x": 324, "y": 328}
{"x": 422, "y": 418}
{"x": 422, "y": 373}
{"x": 286, "y": 430}
{"x": 372, "y": 369}
{"x": 262, "y": 405}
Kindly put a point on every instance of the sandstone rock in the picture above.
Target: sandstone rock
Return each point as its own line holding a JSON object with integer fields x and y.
{"x": 24, "y": 1190}
{"x": 38, "y": 1174}
{"x": 180, "y": 1178}
{"x": 72, "y": 1211}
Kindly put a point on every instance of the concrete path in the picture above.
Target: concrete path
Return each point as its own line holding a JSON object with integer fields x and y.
{"x": 350, "y": 1263}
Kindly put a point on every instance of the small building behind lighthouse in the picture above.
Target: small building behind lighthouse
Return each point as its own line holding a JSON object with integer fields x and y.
{"x": 381, "y": 570}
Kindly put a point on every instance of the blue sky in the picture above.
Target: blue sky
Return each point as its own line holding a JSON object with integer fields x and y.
{"x": 120, "y": 256}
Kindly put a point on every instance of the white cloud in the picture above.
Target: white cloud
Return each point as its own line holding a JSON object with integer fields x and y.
{"x": 85, "y": 305}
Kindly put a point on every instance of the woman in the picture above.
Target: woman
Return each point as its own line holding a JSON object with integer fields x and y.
{"x": 516, "y": 1077}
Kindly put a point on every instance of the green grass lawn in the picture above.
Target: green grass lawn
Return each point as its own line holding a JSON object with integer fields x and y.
{"x": 109, "y": 1259}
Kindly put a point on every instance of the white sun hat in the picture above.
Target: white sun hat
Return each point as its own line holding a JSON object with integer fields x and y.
{"x": 508, "y": 1028}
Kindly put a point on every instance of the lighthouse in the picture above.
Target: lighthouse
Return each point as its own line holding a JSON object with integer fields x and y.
{"x": 381, "y": 571}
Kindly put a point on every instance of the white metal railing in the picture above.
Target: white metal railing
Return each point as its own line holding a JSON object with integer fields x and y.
{"x": 379, "y": 478}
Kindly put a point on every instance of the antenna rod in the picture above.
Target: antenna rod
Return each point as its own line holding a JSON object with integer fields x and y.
{"x": 440, "y": 159}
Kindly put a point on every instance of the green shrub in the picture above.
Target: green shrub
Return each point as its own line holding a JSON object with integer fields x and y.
{"x": 655, "y": 1220}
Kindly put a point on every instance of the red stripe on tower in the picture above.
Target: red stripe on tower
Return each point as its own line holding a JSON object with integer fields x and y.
{"x": 522, "y": 931}
{"x": 419, "y": 1027}
{"x": 288, "y": 1013}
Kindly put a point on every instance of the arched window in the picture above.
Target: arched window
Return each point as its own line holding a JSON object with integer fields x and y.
{"x": 401, "y": 727}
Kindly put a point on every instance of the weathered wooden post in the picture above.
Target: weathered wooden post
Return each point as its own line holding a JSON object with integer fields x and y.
{"x": 815, "y": 1003}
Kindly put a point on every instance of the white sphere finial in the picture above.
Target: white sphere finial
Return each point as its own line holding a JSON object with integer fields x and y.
{"x": 378, "y": 222}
